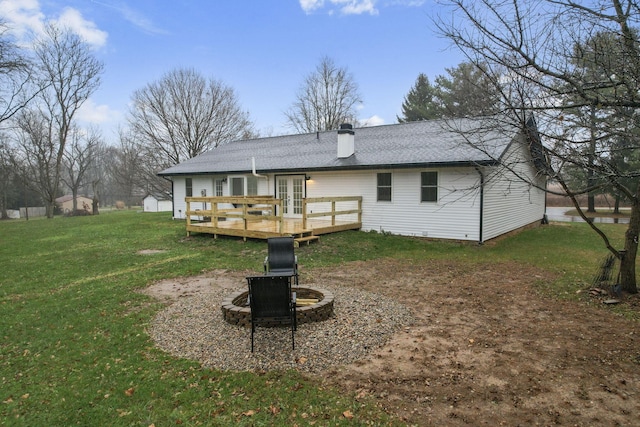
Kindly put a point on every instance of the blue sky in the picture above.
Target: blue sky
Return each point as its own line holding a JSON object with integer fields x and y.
{"x": 262, "y": 49}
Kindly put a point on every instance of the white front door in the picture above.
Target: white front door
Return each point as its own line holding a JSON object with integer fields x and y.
{"x": 291, "y": 191}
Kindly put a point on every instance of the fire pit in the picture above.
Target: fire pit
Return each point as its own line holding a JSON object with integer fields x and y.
{"x": 318, "y": 306}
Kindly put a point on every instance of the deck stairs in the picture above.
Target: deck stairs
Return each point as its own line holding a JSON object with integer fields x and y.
{"x": 305, "y": 237}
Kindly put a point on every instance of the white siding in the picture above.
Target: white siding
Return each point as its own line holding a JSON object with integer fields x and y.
{"x": 509, "y": 201}
{"x": 454, "y": 216}
{"x": 207, "y": 183}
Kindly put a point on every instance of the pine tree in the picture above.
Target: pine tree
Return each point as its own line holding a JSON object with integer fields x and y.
{"x": 466, "y": 92}
{"x": 419, "y": 103}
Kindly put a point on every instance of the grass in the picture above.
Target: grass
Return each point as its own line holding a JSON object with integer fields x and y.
{"x": 74, "y": 350}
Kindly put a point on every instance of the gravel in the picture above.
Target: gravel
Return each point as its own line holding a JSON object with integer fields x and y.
{"x": 193, "y": 328}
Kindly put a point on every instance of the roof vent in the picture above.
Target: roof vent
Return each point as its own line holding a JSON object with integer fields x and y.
{"x": 346, "y": 141}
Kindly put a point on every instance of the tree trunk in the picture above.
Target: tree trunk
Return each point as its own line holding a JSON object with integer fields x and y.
{"x": 94, "y": 205}
{"x": 50, "y": 205}
{"x": 616, "y": 205}
{"x": 628, "y": 257}
{"x": 74, "y": 194}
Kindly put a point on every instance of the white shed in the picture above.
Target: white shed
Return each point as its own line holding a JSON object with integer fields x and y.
{"x": 157, "y": 203}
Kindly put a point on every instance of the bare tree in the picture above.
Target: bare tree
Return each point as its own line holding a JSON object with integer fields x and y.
{"x": 126, "y": 167}
{"x": 183, "y": 114}
{"x": 528, "y": 50}
{"x": 6, "y": 175}
{"x": 78, "y": 157}
{"x": 16, "y": 76}
{"x": 327, "y": 98}
{"x": 68, "y": 74}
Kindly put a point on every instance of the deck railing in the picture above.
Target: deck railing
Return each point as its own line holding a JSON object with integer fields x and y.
{"x": 308, "y": 205}
{"x": 245, "y": 210}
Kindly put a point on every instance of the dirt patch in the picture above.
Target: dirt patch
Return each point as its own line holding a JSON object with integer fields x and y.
{"x": 180, "y": 287}
{"x": 485, "y": 348}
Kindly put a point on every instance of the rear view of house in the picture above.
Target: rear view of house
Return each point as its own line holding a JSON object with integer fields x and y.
{"x": 414, "y": 179}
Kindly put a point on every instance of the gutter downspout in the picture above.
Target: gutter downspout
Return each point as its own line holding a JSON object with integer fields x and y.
{"x": 173, "y": 206}
{"x": 480, "y": 241}
{"x": 253, "y": 170}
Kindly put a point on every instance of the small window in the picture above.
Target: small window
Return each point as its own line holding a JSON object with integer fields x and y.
{"x": 218, "y": 188}
{"x": 237, "y": 186}
{"x": 252, "y": 185}
{"x": 429, "y": 187}
{"x": 189, "y": 187}
{"x": 384, "y": 187}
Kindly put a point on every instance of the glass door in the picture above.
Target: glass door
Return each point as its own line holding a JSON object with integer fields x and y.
{"x": 291, "y": 191}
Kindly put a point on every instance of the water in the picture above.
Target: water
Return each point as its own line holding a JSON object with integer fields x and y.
{"x": 558, "y": 214}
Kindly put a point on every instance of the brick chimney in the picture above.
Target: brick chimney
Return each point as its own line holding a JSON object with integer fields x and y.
{"x": 346, "y": 138}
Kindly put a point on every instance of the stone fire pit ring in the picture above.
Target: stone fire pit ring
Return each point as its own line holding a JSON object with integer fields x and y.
{"x": 236, "y": 311}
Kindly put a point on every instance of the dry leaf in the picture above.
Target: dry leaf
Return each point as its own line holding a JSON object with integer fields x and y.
{"x": 302, "y": 360}
{"x": 274, "y": 410}
{"x": 347, "y": 414}
{"x": 129, "y": 391}
{"x": 249, "y": 413}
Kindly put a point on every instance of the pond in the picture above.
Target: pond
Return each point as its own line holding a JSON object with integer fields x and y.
{"x": 559, "y": 214}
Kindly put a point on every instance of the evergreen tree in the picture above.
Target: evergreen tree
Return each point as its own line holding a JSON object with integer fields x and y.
{"x": 419, "y": 103}
{"x": 467, "y": 91}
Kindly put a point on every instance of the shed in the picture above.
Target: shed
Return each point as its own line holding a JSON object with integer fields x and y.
{"x": 157, "y": 202}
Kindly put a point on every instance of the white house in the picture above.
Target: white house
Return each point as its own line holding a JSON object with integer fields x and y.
{"x": 415, "y": 179}
{"x": 157, "y": 203}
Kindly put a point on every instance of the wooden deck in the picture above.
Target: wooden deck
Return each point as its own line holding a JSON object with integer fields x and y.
{"x": 261, "y": 217}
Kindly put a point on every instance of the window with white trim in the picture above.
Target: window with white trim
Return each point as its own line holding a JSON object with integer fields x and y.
{"x": 188, "y": 184}
{"x": 384, "y": 187}
{"x": 429, "y": 186}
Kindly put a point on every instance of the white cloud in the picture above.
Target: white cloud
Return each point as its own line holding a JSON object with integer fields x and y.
{"x": 23, "y": 17}
{"x": 87, "y": 30}
{"x": 346, "y": 7}
{"x": 372, "y": 121}
{"x": 92, "y": 113}
{"x": 310, "y": 5}
{"x": 26, "y": 20}
{"x": 356, "y": 7}
{"x": 133, "y": 16}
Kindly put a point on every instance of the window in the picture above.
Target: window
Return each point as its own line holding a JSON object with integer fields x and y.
{"x": 384, "y": 187}
{"x": 189, "y": 187}
{"x": 218, "y": 187}
{"x": 429, "y": 187}
{"x": 252, "y": 185}
{"x": 237, "y": 186}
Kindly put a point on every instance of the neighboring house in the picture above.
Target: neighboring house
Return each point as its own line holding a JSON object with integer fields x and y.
{"x": 415, "y": 179}
{"x": 157, "y": 203}
{"x": 65, "y": 203}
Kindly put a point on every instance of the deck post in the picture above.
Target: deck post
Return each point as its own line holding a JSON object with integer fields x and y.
{"x": 188, "y": 217}
{"x": 304, "y": 213}
{"x": 333, "y": 212}
{"x": 214, "y": 213}
{"x": 281, "y": 213}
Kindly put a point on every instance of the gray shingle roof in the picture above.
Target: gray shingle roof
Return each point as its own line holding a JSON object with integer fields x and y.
{"x": 426, "y": 143}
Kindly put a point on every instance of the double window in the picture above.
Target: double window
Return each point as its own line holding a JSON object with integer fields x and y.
{"x": 238, "y": 186}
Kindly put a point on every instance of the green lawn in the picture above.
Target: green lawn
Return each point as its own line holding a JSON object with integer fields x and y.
{"x": 74, "y": 350}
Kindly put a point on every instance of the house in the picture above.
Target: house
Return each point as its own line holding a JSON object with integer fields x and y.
{"x": 414, "y": 179}
{"x": 156, "y": 202}
{"x": 65, "y": 203}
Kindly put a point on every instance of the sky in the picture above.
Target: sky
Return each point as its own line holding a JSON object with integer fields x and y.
{"x": 263, "y": 49}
